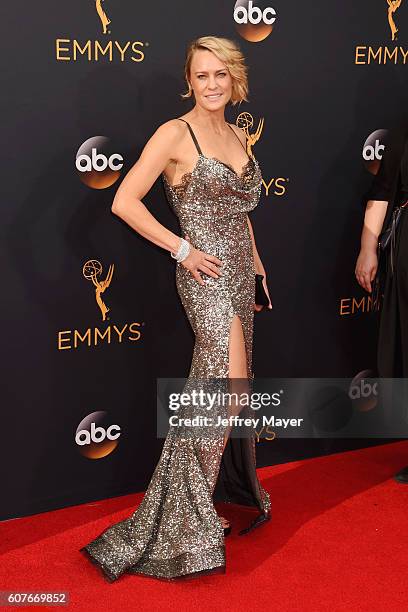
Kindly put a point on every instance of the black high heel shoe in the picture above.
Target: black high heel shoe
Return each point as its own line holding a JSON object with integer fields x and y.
{"x": 402, "y": 476}
{"x": 260, "y": 520}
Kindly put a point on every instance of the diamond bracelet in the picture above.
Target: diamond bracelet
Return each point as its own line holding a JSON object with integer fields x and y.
{"x": 183, "y": 252}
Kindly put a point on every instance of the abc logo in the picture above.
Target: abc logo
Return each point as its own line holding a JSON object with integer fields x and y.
{"x": 373, "y": 150}
{"x": 363, "y": 391}
{"x": 254, "y": 23}
{"x": 95, "y": 436}
{"x": 97, "y": 163}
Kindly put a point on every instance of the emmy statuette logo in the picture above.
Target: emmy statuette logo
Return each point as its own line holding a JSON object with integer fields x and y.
{"x": 107, "y": 332}
{"x": 245, "y": 122}
{"x": 105, "y": 21}
{"x": 105, "y": 49}
{"x": 384, "y": 54}
{"x": 393, "y": 6}
{"x": 276, "y": 186}
{"x": 92, "y": 270}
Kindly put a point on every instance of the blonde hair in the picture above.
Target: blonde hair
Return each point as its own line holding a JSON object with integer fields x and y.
{"x": 228, "y": 52}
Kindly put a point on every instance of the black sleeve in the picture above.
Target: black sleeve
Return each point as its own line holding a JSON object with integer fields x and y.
{"x": 384, "y": 183}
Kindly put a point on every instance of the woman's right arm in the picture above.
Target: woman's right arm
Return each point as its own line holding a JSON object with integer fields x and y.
{"x": 128, "y": 205}
{"x": 137, "y": 183}
{"x": 367, "y": 261}
{"x": 380, "y": 193}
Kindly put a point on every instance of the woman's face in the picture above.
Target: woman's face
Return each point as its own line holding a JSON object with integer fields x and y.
{"x": 210, "y": 80}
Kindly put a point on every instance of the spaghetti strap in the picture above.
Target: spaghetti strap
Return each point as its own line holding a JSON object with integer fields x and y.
{"x": 193, "y": 136}
{"x": 237, "y": 137}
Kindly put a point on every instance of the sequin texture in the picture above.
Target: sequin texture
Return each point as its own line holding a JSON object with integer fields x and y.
{"x": 176, "y": 531}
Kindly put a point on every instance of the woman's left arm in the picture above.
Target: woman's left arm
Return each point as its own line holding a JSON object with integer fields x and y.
{"x": 259, "y": 268}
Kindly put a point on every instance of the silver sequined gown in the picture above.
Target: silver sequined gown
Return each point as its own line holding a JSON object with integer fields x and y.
{"x": 176, "y": 531}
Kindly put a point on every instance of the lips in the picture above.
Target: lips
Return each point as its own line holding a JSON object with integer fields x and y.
{"x": 213, "y": 96}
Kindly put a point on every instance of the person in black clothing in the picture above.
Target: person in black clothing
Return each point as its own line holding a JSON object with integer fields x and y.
{"x": 389, "y": 189}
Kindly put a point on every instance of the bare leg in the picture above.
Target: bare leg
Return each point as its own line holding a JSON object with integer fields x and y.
{"x": 237, "y": 373}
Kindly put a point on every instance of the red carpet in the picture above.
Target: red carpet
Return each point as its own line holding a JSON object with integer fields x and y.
{"x": 338, "y": 540}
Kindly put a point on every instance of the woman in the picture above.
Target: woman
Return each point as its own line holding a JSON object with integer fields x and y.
{"x": 212, "y": 184}
{"x": 389, "y": 185}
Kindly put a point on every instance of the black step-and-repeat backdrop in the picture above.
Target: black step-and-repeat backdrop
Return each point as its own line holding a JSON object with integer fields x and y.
{"x": 91, "y": 316}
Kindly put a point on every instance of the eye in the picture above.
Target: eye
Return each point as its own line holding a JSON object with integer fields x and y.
{"x": 222, "y": 74}
{"x": 201, "y": 76}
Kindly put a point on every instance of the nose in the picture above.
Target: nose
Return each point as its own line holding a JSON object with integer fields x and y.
{"x": 211, "y": 83}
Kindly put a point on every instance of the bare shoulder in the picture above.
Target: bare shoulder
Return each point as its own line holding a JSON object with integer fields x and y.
{"x": 168, "y": 136}
{"x": 171, "y": 129}
{"x": 240, "y": 133}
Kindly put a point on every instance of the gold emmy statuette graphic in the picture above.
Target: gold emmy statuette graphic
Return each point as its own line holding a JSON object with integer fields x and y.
{"x": 393, "y": 6}
{"x": 102, "y": 16}
{"x": 245, "y": 121}
{"x": 91, "y": 270}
